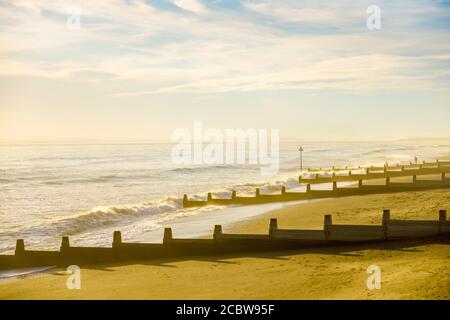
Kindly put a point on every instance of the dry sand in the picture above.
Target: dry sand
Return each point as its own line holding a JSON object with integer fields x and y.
{"x": 410, "y": 270}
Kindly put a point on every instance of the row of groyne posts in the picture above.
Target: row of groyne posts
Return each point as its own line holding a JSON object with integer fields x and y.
{"x": 276, "y": 239}
{"x": 387, "y": 172}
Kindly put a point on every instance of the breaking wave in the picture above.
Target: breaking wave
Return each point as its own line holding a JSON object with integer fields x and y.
{"x": 101, "y": 217}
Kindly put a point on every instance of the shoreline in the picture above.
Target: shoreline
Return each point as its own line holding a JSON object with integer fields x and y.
{"x": 327, "y": 273}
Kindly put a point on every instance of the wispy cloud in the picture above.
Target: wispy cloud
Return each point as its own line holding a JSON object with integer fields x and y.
{"x": 190, "y": 5}
{"x": 148, "y": 49}
{"x": 288, "y": 13}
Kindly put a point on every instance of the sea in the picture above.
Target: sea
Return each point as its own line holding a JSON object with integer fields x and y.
{"x": 86, "y": 190}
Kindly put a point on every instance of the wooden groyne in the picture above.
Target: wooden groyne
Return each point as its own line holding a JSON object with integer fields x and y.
{"x": 415, "y": 172}
{"x": 384, "y": 168}
{"x": 276, "y": 239}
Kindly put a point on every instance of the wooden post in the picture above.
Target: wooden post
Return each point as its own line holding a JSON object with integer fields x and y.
{"x": 209, "y": 196}
{"x": 308, "y": 187}
{"x": 185, "y": 201}
{"x": 334, "y": 186}
{"x": 117, "y": 238}
{"x": 385, "y": 222}
{"x": 317, "y": 176}
{"x": 443, "y": 215}
{"x": 414, "y": 179}
{"x": 442, "y": 220}
{"x": 20, "y": 247}
{"x": 65, "y": 243}
{"x": 258, "y": 193}
{"x": 273, "y": 226}
{"x": 443, "y": 178}
{"x": 328, "y": 221}
{"x": 299, "y": 179}
{"x": 283, "y": 190}
{"x": 388, "y": 181}
{"x": 360, "y": 184}
{"x": 349, "y": 173}
{"x": 167, "y": 235}
{"x": 233, "y": 195}
{"x": 217, "y": 232}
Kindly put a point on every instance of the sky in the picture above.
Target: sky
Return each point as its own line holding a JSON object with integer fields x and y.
{"x": 138, "y": 70}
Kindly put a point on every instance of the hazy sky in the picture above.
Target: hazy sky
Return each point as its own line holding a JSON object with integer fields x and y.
{"x": 140, "y": 69}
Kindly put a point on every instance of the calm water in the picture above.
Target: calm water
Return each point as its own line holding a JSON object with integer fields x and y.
{"x": 86, "y": 190}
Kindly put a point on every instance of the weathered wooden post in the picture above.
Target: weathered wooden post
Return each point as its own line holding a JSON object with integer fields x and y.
{"x": 360, "y": 184}
{"x": 388, "y": 181}
{"x": 217, "y": 232}
{"x": 209, "y": 196}
{"x": 334, "y": 186}
{"x": 185, "y": 201}
{"x": 443, "y": 177}
{"x": 20, "y": 247}
{"x": 442, "y": 220}
{"x": 328, "y": 221}
{"x": 117, "y": 239}
{"x": 167, "y": 235}
{"x": 308, "y": 188}
{"x": 233, "y": 195}
{"x": 414, "y": 179}
{"x": 273, "y": 226}
{"x": 350, "y": 173}
{"x": 258, "y": 193}
{"x": 65, "y": 244}
{"x": 385, "y": 222}
{"x": 283, "y": 190}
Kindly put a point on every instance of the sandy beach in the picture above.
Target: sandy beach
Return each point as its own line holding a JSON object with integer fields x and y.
{"x": 410, "y": 270}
